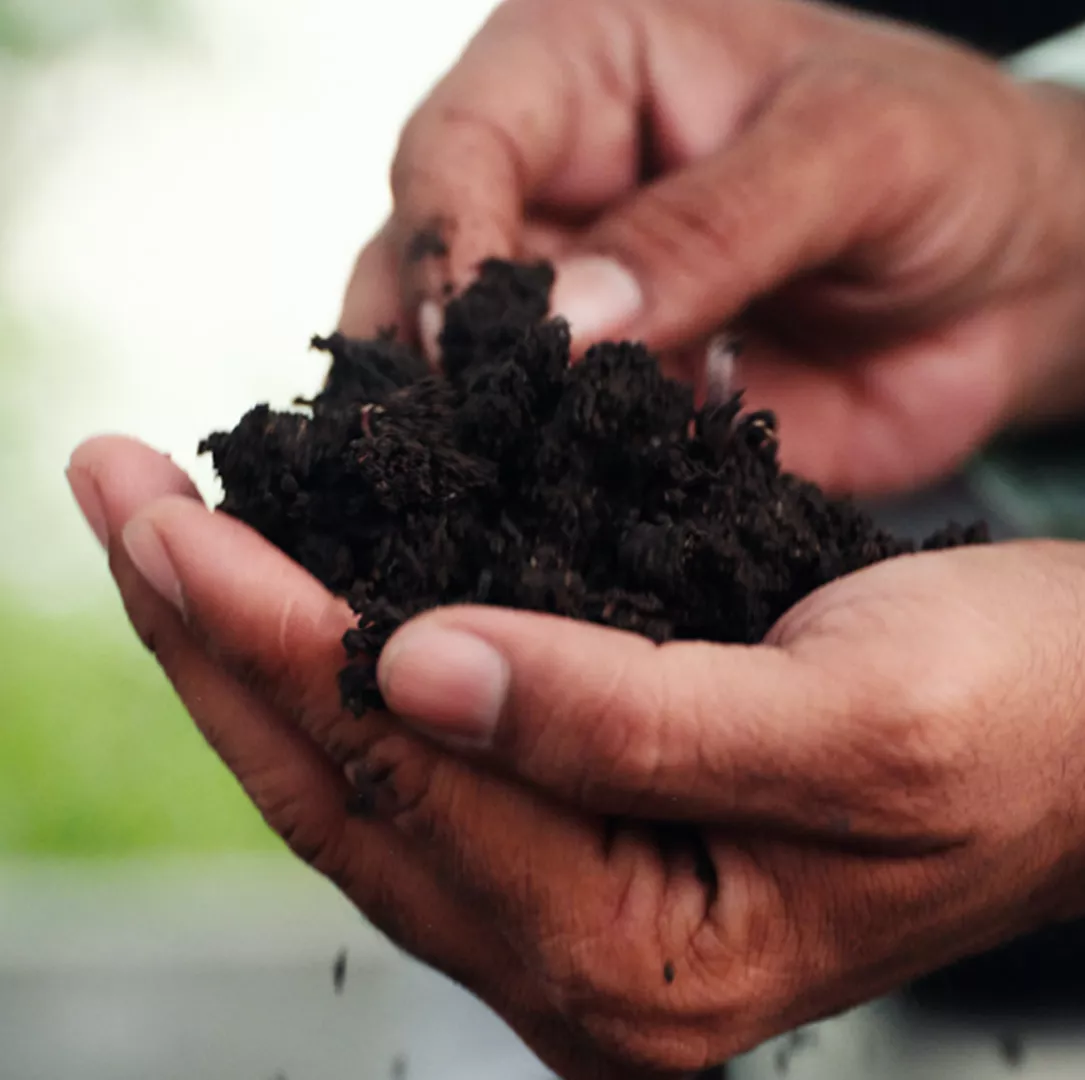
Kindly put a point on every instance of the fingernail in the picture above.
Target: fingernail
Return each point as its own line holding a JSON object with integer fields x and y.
{"x": 596, "y": 295}
{"x": 152, "y": 560}
{"x": 448, "y": 684}
{"x": 720, "y": 367}
{"x": 85, "y": 490}
{"x": 431, "y": 321}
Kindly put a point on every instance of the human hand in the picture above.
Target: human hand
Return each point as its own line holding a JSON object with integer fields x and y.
{"x": 646, "y": 859}
{"x": 899, "y": 224}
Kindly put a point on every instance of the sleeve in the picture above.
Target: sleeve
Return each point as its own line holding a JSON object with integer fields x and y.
{"x": 1000, "y": 27}
{"x": 1061, "y": 60}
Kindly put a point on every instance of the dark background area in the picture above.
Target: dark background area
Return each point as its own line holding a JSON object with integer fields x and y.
{"x": 997, "y": 26}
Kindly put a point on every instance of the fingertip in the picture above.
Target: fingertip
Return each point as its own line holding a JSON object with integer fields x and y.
{"x": 113, "y": 477}
{"x": 372, "y": 300}
{"x": 172, "y": 510}
{"x": 597, "y": 296}
{"x": 431, "y": 323}
{"x": 447, "y": 683}
{"x": 98, "y": 450}
{"x": 721, "y": 369}
{"x": 88, "y": 498}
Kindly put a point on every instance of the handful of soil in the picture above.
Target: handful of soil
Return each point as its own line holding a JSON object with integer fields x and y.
{"x": 595, "y": 490}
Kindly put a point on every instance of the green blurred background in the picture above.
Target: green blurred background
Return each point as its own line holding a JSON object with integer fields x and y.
{"x": 96, "y": 756}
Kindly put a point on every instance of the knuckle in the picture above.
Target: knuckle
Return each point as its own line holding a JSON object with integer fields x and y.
{"x": 461, "y": 122}
{"x": 684, "y": 227}
{"x": 750, "y": 949}
{"x": 894, "y": 132}
{"x": 301, "y": 675}
{"x": 395, "y": 779}
{"x": 346, "y": 739}
{"x": 734, "y": 983}
{"x": 311, "y": 836}
{"x": 912, "y": 745}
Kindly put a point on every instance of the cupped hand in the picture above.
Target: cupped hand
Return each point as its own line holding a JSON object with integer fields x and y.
{"x": 898, "y": 226}
{"x": 646, "y": 859}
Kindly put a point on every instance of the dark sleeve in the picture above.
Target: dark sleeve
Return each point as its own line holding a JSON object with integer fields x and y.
{"x": 998, "y": 26}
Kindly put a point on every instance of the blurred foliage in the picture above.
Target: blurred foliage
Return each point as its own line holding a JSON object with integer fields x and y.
{"x": 38, "y": 29}
{"x": 97, "y": 757}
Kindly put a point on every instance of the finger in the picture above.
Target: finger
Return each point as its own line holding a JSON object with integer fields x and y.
{"x": 901, "y": 417}
{"x": 304, "y": 797}
{"x": 509, "y": 852}
{"x": 558, "y": 109}
{"x": 261, "y": 615}
{"x": 278, "y": 629}
{"x": 266, "y": 756}
{"x": 372, "y": 301}
{"x": 798, "y": 186}
{"x": 491, "y": 135}
{"x": 135, "y": 473}
{"x": 610, "y": 722}
{"x": 300, "y": 792}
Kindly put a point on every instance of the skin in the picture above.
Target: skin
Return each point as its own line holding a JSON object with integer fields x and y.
{"x": 906, "y": 217}
{"x": 894, "y": 778}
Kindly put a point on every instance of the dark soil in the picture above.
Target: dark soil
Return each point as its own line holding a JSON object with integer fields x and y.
{"x": 594, "y": 490}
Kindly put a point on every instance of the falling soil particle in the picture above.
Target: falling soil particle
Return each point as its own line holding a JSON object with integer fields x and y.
{"x": 793, "y": 1045}
{"x": 595, "y": 490}
{"x": 1011, "y": 1049}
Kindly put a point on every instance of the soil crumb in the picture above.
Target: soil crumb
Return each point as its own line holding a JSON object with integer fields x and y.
{"x": 339, "y": 971}
{"x": 1011, "y": 1049}
{"x": 595, "y": 491}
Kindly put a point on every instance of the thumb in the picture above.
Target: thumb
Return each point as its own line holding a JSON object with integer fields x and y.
{"x": 612, "y": 723}
{"x": 802, "y": 183}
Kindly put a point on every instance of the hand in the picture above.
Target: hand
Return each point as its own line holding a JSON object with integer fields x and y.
{"x": 900, "y": 225}
{"x": 646, "y": 859}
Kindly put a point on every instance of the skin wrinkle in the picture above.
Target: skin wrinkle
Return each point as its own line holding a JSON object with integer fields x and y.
{"x": 614, "y": 744}
{"x": 430, "y": 277}
{"x": 495, "y": 133}
{"x": 639, "y": 761}
{"x": 412, "y": 805}
{"x": 597, "y": 978}
{"x": 285, "y": 637}
{"x": 668, "y": 725}
{"x": 669, "y": 232}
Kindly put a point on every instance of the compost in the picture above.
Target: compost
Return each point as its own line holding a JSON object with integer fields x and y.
{"x": 594, "y": 490}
